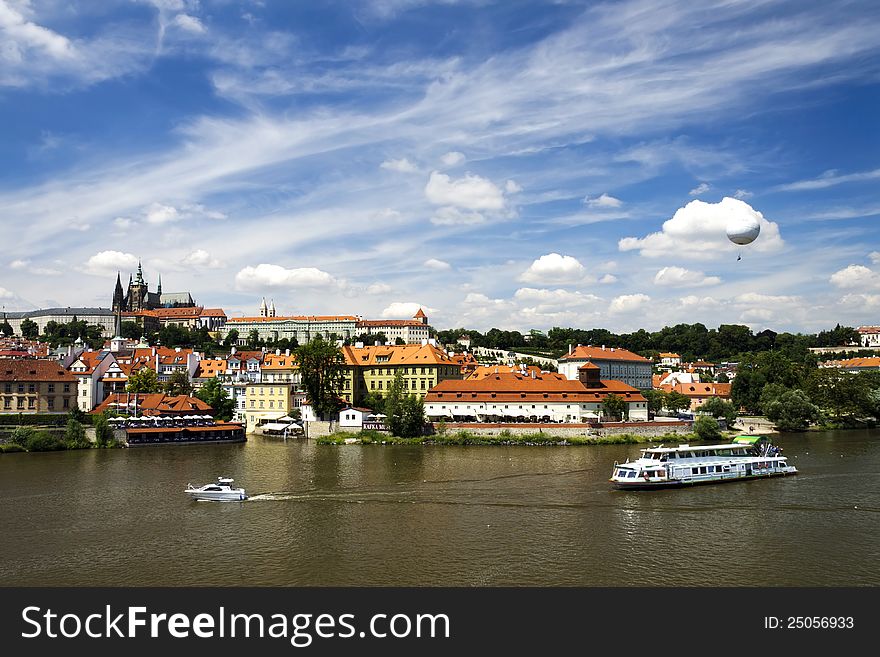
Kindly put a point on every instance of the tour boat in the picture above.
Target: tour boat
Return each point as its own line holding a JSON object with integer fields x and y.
{"x": 222, "y": 491}
{"x": 747, "y": 457}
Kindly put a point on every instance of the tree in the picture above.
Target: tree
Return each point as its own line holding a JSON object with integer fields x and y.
{"x": 717, "y": 407}
{"x": 836, "y": 391}
{"x": 792, "y": 411}
{"x": 406, "y": 413}
{"x": 104, "y": 436}
{"x": 374, "y": 401}
{"x": 253, "y": 339}
{"x": 398, "y": 340}
{"x": 75, "y": 435}
{"x": 29, "y": 329}
{"x": 656, "y": 400}
{"x": 213, "y": 394}
{"x": 413, "y": 416}
{"x": 231, "y": 338}
{"x": 721, "y": 377}
{"x": 707, "y": 428}
{"x": 144, "y": 380}
{"x": 614, "y": 406}
{"x": 6, "y": 328}
{"x": 321, "y": 366}
{"x": 178, "y": 383}
{"x": 675, "y": 401}
{"x": 22, "y": 435}
{"x": 131, "y": 330}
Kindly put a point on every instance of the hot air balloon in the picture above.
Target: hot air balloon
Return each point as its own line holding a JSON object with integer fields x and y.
{"x": 743, "y": 229}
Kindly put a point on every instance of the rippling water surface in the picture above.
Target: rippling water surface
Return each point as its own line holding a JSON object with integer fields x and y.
{"x": 434, "y": 516}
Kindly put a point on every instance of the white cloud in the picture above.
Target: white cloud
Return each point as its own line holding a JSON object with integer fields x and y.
{"x": 450, "y": 216}
{"x": 402, "y": 165}
{"x": 742, "y": 193}
{"x": 378, "y": 288}
{"x": 471, "y": 192}
{"x": 693, "y": 303}
{"x": 702, "y": 188}
{"x": 452, "y": 158}
{"x": 627, "y": 303}
{"x": 829, "y": 179}
{"x": 189, "y": 23}
{"x": 856, "y": 276}
{"x": 680, "y": 277}
{"x": 439, "y": 265}
{"x": 607, "y": 279}
{"x": 18, "y": 264}
{"x": 554, "y": 268}
{"x": 39, "y": 271}
{"x": 543, "y": 301}
{"x": 861, "y": 301}
{"x": 603, "y": 201}
{"x": 699, "y": 231}
{"x": 512, "y": 187}
{"x": 875, "y": 257}
{"x": 201, "y": 259}
{"x": 6, "y": 294}
{"x": 265, "y": 276}
{"x": 405, "y": 309}
{"x": 109, "y": 262}
{"x": 158, "y": 213}
{"x": 756, "y": 298}
{"x": 124, "y": 223}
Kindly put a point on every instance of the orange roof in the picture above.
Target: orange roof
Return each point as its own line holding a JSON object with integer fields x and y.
{"x": 300, "y": 318}
{"x": 389, "y": 322}
{"x": 871, "y": 361}
{"x": 701, "y": 389}
{"x": 178, "y": 312}
{"x": 213, "y": 312}
{"x": 598, "y": 353}
{"x": 154, "y": 404}
{"x": 669, "y": 354}
{"x": 210, "y": 367}
{"x": 278, "y": 362}
{"x": 30, "y": 369}
{"x": 514, "y": 387}
{"x": 657, "y": 379}
{"x": 405, "y": 354}
{"x": 421, "y": 313}
{"x": 589, "y": 366}
{"x": 483, "y": 371}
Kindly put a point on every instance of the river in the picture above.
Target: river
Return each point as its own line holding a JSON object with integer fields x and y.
{"x": 433, "y": 516}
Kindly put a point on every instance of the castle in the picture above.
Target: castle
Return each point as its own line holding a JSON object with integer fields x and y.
{"x": 140, "y": 298}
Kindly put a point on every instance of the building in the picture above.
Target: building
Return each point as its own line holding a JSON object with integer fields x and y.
{"x": 855, "y": 364}
{"x": 700, "y": 393}
{"x": 543, "y": 397}
{"x": 265, "y": 402}
{"x": 138, "y": 297}
{"x": 669, "y": 359}
{"x": 301, "y": 328}
{"x": 410, "y": 331}
{"x": 279, "y": 368}
{"x": 614, "y": 364}
{"x": 869, "y": 336}
{"x": 372, "y": 369}
{"x": 103, "y": 317}
{"x": 31, "y": 386}
{"x": 89, "y": 369}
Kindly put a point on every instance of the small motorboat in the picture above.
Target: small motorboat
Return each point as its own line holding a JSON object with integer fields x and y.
{"x": 222, "y": 491}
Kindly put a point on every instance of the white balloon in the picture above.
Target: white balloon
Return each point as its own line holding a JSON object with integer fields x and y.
{"x": 743, "y": 229}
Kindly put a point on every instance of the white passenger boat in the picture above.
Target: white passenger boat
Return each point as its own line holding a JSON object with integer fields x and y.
{"x": 222, "y": 491}
{"x": 747, "y": 457}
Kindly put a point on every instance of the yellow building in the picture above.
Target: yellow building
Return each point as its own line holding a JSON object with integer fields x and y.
{"x": 372, "y": 369}
{"x": 30, "y": 386}
{"x": 280, "y": 368}
{"x": 265, "y": 402}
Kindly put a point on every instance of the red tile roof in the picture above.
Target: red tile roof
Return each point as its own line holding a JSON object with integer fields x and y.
{"x": 155, "y": 404}
{"x": 598, "y": 353}
{"x": 30, "y": 369}
{"x": 515, "y": 387}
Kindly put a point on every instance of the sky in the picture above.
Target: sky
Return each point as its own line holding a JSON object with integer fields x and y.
{"x": 510, "y": 164}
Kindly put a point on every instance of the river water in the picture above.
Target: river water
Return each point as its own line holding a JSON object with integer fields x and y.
{"x": 433, "y": 516}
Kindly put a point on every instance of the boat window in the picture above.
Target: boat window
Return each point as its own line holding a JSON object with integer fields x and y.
{"x": 695, "y": 471}
{"x": 703, "y": 470}
{"x": 631, "y": 473}
{"x": 673, "y": 455}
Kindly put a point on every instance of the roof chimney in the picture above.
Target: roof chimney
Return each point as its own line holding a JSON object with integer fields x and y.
{"x": 277, "y": 352}
{"x": 287, "y": 352}
{"x": 603, "y": 347}
{"x": 232, "y": 351}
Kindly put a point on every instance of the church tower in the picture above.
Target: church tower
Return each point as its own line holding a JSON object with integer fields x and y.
{"x": 118, "y": 296}
{"x": 272, "y": 309}
{"x": 264, "y": 310}
{"x": 137, "y": 292}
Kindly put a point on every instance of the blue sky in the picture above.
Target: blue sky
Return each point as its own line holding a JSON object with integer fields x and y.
{"x": 512, "y": 164}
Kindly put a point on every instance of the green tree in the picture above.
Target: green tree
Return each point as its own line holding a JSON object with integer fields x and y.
{"x": 29, "y": 329}
{"x": 253, "y": 339}
{"x": 614, "y": 406}
{"x": 21, "y": 435}
{"x": 399, "y": 341}
{"x": 75, "y": 435}
{"x": 413, "y": 416}
{"x": 406, "y": 413}
{"x": 231, "y": 338}
{"x": 836, "y": 391}
{"x": 717, "y": 407}
{"x": 656, "y": 400}
{"x": 374, "y": 401}
{"x": 6, "y": 328}
{"x": 792, "y": 411}
{"x": 143, "y": 380}
{"x": 707, "y": 428}
{"x": 721, "y": 377}
{"x": 104, "y": 436}
{"x": 131, "y": 330}
{"x": 321, "y": 367}
{"x": 178, "y": 384}
{"x": 675, "y": 401}
{"x": 213, "y": 394}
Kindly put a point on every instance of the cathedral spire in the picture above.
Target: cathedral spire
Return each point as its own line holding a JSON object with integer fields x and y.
{"x": 118, "y": 295}
{"x": 140, "y": 274}
{"x": 159, "y": 289}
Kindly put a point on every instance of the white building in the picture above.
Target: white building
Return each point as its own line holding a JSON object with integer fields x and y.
{"x": 410, "y": 331}
{"x": 869, "y": 336}
{"x": 614, "y": 364}
{"x": 103, "y": 317}
{"x": 302, "y": 328}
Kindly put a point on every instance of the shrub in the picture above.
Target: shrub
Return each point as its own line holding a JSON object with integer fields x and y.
{"x": 21, "y": 436}
{"x": 11, "y": 447}
{"x": 707, "y": 428}
{"x": 44, "y": 442}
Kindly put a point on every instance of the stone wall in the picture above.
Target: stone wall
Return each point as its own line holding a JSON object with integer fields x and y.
{"x": 571, "y": 430}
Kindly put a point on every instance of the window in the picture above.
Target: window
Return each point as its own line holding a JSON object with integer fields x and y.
{"x": 7, "y": 388}
{"x": 66, "y": 388}
{"x": 7, "y": 403}
{"x": 32, "y": 403}
{"x": 50, "y": 403}
{"x": 51, "y": 388}
{"x": 66, "y": 403}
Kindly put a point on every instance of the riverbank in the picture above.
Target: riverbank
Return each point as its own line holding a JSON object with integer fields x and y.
{"x": 505, "y": 438}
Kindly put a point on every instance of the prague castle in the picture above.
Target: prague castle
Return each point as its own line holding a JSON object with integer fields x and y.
{"x": 139, "y": 297}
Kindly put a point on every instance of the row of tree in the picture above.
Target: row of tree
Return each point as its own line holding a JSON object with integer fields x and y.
{"x": 691, "y": 341}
